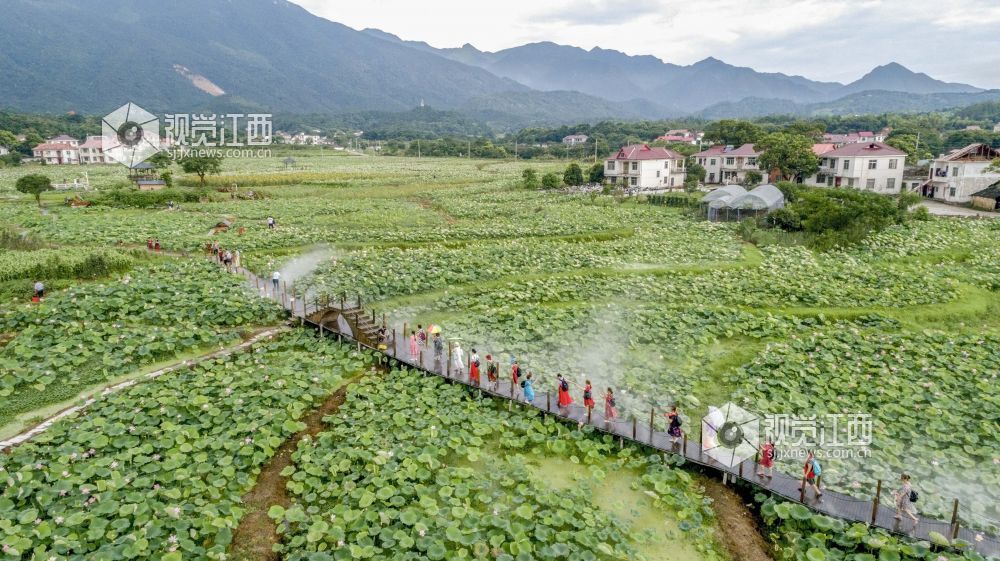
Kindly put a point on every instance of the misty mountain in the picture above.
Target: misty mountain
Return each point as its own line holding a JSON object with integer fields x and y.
{"x": 186, "y": 55}
{"x": 866, "y": 102}
{"x": 895, "y": 77}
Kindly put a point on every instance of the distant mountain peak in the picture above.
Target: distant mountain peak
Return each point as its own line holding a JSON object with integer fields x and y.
{"x": 893, "y": 76}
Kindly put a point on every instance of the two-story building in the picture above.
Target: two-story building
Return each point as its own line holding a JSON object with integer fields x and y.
{"x": 956, "y": 176}
{"x": 870, "y": 167}
{"x": 57, "y": 153}
{"x": 574, "y": 139}
{"x": 860, "y": 137}
{"x": 64, "y": 139}
{"x": 727, "y": 165}
{"x": 92, "y": 151}
{"x": 639, "y": 166}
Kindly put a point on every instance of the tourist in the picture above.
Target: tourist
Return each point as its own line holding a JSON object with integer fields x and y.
{"x": 421, "y": 335}
{"x": 588, "y": 397}
{"x": 149, "y": 243}
{"x": 438, "y": 347}
{"x": 382, "y": 336}
{"x": 156, "y": 245}
{"x": 610, "y": 408}
{"x": 529, "y": 390}
{"x": 674, "y": 428}
{"x": 563, "y": 390}
{"x": 458, "y": 357}
{"x": 492, "y": 372}
{"x": 275, "y": 278}
{"x": 414, "y": 345}
{"x": 237, "y": 260}
{"x": 474, "y": 368}
{"x": 270, "y": 223}
{"x": 766, "y": 459}
{"x": 904, "y": 497}
{"x": 39, "y": 290}
{"x": 811, "y": 472}
{"x": 227, "y": 259}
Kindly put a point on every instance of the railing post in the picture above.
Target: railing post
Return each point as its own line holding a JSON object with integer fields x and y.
{"x": 954, "y": 521}
{"x": 635, "y": 424}
{"x": 421, "y": 358}
{"x": 701, "y": 437}
{"x": 589, "y": 411}
{"x": 741, "y": 469}
{"x": 652, "y": 411}
{"x": 684, "y": 451}
{"x": 802, "y": 490}
{"x": 876, "y": 500}
{"x": 548, "y": 401}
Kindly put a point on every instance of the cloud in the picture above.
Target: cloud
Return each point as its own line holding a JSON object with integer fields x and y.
{"x": 603, "y": 12}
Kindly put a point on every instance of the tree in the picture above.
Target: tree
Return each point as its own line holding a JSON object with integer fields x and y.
{"x": 550, "y": 181}
{"x": 908, "y": 143}
{"x": 8, "y": 140}
{"x": 790, "y": 154}
{"x": 752, "y": 179}
{"x": 994, "y": 166}
{"x": 733, "y": 131}
{"x": 34, "y": 184}
{"x": 529, "y": 178}
{"x": 202, "y": 166}
{"x": 573, "y": 175}
{"x": 597, "y": 173}
{"x": 695, "y": 174}
{"x": 160, "y": 160}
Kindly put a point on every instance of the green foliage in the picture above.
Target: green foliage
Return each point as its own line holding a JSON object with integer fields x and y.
{"x": 752, "y": 179}
{"x": 910, "y": 144}
{"x": 8, "y": 139}
{"x": 160, "y": 160}
{"x": 34, "y": 184}
{"x": 70, "y": 263}
{"x": 788, "y": 153}
{"x": 596, "y": 174}
{"x": 733, "y": 131}
{"x": 529, "y": 179}
{"x": 134, "y": 198}
{"x": 695, "y": 174}
{"x": 202, "y": 165}
{"x": 573, "y": 176}
{"x": 551, "y": 181}
{"x": 157, "y": 471}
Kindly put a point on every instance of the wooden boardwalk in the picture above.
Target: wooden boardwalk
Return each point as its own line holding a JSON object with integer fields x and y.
{"x": 879, "y": 513}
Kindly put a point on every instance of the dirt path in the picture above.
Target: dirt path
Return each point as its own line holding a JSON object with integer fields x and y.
{"x": 739, "y": 531}
{"x": 256, "y": 535}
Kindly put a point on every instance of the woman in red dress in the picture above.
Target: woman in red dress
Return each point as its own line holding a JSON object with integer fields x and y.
{"x": 588, "y": 397}
{"x": 766, "y": 460}
{"x": 564, "y": 399}
{"x": 610, "y": 409}
{"x": 474, "y": 368}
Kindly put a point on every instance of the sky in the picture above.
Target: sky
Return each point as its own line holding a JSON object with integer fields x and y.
{"x": 829, "y": 40}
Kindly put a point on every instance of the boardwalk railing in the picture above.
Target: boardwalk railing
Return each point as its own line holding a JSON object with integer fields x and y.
{"x": 875, "y": 511}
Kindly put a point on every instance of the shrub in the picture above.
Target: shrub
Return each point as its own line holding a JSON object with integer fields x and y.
{"x": 550, "y": 181}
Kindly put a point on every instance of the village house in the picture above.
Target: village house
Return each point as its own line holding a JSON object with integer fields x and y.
{"x": 64, "y": 139}
{"x": 57, "y": 153}
{"x": 642, "y": 167}
{"x": 871, "y": 167}
{"x": 92, "y": 151}
{"x": 861, "y": 137}
{"x": 996, "y": 127}
{"x": 728, "y": 164}
{"x": 988, "y": 198}
{"x": 684, "y": 136}
{"x": 4, "y": 151}
{"x": 956, "y": 176}
{"x": 574, "y": 139}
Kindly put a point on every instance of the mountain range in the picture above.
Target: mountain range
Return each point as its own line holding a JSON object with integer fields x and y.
{"x": 91, "y": 56}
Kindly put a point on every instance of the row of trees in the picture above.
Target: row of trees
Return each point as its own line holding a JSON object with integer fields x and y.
{"x": 573, "y": 176}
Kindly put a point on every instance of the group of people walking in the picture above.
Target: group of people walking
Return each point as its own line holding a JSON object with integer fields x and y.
{"x": 230, "y": 259}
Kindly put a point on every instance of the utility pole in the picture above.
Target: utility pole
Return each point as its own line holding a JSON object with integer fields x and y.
{"x": 515, "y": 149}
{"x": 470, "y": 148}
{"x": 418, "y": 147}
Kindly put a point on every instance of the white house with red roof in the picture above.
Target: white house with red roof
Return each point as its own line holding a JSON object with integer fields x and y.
{"x": 92, "y": 151}
{"x": 57, "y": 153}
{"x": 64, "y": 139}
{"x": 873, "y": 166}
{"x": 728, "y": 165}
{"x": 684, "y": 136}
{"x": 954, "y": 177}
{"x": 639, "y": 166}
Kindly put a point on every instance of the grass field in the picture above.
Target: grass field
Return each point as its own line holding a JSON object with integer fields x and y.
{"x": 663, "y": 308}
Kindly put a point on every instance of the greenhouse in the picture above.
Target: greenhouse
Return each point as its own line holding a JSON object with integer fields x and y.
{"x": 760, "y": 201}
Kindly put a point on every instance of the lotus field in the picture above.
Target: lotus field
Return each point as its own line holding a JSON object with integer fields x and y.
{"x": 903, "y": 329}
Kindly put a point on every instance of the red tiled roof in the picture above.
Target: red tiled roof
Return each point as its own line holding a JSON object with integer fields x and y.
{"x": 866, "y": 133}
{"x": 92, "y": 142}
{"x": 864, "y": 149}
{"x": 719, "y": 150}
{"x": 62, "y": 137}
{"x": 675, "y": 138}
{"x": 820, "y": 149}
{"x": 974, "y": 148}
{"x": 644, "y": 152}
{"x": 54, "y": 146}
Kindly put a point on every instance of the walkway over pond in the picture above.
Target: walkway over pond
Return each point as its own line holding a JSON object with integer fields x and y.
{"x": 348, "y": 321}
